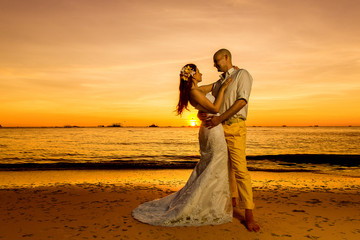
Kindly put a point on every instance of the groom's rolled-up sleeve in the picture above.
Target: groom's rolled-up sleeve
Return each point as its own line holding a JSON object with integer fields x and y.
{"x": 244, "y": 86}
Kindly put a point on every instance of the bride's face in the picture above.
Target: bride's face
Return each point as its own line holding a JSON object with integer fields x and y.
{"x": 197, "y": 76}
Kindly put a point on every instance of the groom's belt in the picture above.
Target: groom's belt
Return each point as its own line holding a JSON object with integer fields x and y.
{"x": 233, "y": 120}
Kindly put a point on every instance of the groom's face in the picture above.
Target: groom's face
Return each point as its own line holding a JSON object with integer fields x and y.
{"x": 220, "y": 63}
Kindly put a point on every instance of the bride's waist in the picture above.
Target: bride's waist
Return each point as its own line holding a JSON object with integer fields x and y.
{"x": 208, "y": 116}
{"x": 213, "y": 114}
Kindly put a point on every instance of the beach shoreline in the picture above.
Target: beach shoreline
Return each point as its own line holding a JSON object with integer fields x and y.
{"x": 97, "y": 204}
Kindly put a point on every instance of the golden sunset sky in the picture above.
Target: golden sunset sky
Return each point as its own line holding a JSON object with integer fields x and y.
{"x": 88, "y": 62}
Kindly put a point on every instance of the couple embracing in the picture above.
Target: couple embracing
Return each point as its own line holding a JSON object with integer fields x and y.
{"x": 220, "y": 180}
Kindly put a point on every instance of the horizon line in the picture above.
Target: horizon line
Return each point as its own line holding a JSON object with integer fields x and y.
{"x": 169, "y": 126}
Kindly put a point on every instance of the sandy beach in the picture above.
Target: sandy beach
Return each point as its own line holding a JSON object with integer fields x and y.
{"x": 97, "y": 204}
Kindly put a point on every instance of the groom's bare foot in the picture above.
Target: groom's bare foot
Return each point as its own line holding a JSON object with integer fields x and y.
{"x": 250, "y": 223}
{"x": 234, "y": 202}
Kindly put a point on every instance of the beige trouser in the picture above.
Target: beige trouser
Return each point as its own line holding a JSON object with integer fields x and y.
{"x": 240, "y": 181}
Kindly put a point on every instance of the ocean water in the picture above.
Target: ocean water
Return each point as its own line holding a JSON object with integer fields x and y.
{"x": 322, "y": 149}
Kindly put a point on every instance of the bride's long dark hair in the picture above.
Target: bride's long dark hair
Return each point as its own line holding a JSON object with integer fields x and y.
{"x": 186, "y": 82}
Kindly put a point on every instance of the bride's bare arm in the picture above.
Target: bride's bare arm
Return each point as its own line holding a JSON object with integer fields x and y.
{"x": 197, "y": 97}
{"x": 209, "y": 87}
{"x": 206, "y": 88}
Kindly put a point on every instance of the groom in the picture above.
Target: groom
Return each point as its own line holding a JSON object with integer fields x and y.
{"x": 233, "y": 115}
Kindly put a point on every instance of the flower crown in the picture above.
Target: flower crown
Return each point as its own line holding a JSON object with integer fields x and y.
{"x": 186, "y": 72}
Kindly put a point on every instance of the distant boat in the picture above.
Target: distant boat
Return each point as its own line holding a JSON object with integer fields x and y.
{"x": 153, "y": 125}
{"x": 283, "y": 125}
{"x": 316, "y": 125}
{"x": 115, "y": 125}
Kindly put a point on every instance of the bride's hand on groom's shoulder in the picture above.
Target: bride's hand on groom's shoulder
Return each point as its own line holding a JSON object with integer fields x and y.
{"x": 226, "y": 83}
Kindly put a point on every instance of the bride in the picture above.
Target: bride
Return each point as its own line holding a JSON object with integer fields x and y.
{"x": 206, "y": 198}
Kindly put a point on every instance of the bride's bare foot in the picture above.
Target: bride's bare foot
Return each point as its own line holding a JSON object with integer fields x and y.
{"x": 250, "y": 223}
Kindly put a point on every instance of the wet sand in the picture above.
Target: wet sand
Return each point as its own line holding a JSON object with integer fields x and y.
{"x": 97, "y": 204}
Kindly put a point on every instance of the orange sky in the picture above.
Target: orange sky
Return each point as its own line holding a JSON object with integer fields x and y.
{"x": 90, "y": 62}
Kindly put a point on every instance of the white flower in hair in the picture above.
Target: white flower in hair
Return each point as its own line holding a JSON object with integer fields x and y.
{"x": 186, "y": 72}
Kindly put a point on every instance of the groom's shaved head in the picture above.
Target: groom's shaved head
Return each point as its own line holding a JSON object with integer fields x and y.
{"x": 223, "y": 52}
{"x": 222, "y": 60}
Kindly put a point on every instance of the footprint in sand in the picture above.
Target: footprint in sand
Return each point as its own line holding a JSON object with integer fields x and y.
{"x": 314, "y": 201}
{"x": 28, "y": 235}
{"x": 295, "y": 210}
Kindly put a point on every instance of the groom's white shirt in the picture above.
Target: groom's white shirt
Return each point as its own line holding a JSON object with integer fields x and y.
{"x": 239, "y": 88}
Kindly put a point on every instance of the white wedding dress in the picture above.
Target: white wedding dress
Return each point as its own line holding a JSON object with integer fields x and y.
{"x": 206, "y": 198}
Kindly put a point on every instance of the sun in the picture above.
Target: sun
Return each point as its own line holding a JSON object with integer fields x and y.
{"x": 193, "y": 122}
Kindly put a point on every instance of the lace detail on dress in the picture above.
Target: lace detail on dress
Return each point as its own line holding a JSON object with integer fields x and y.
{"x": 205, "y": 199}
